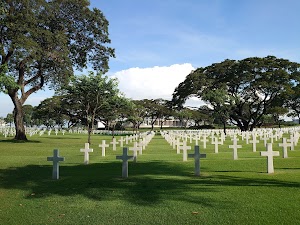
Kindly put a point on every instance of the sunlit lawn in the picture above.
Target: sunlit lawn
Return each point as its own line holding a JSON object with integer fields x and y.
{"x": 161, "y": 188}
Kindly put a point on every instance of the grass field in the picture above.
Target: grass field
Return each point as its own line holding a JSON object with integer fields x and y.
{"x": 161, "y": 188}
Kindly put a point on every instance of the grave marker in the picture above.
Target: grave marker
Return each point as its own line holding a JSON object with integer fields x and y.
{"x": 121, "y": 140}
{"x": 284, "y": 146}
{"x": 254, "y": 141}
{"x": 125, "y": 157}
{"x": 216, "y": 143}
{"x": 55, "y": 159}
{"x": 270, "y": 154}
{"x": 291, "y": 140}
{"x": 235, "y": 146}
{"x": 184, "y": 149}
{"x": 103, "y": 146}
{"x": 197, "y": 157}
{"x": 86, "y": 151}
{"x": 204, "y": 140}
{"x": 114, "y": 143}
{"x": 135, "y": 149}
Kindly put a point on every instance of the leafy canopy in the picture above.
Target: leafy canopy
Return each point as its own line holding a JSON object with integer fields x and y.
{"x": 241, "y": 90}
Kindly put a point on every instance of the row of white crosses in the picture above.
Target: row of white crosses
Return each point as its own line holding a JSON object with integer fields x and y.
{"x": 265, "y": 136}
{"x": 56, "y": 158}
{"x": 196, "y": 155}
{"x": 7, "y": 131}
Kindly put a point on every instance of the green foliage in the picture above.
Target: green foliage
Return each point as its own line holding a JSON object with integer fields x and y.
{"x": 293, "y": 103}
{"x": 9, "y": 118}
{"x": 6, "y": 81}
{"x": 88, "y": 97}
{"x": 49, "y": 112}
{"x": 42, "y": 41}
{"x": 242, "y": 90}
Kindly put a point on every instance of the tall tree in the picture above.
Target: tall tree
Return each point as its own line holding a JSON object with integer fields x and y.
{"x": 40, "y": 43}
{"x": 277, "y": 112}
{"x": 114, "y": 112}
{"x": 90, "y": 95}
{"x": 9, "y": 119}
{"x": 249, "y": 87}
{"x": 50, "y": 112}
{"x": 293, "y": 103}
{"x": 136, "y": 114}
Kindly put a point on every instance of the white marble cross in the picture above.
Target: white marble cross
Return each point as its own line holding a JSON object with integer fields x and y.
{"x": 270, "y": 153}
{"x": 103, "y": 146}
{"x": 135, "y": 149}
{"x": 178, "y": 145}
{"x": 197, "y": 157}
{"x": 291, "y": 140}
{"x": 216, "y": 143}
{"x": 142, "y": 144}
{"x": 235, "y": 146}
{"x": 204, "y": 140}
{"x": 174, "y": 141}
{"x": 265, "y": 139}
{"x": 254, "y": 141}
{"x": 86, "y": 151}
{"x": 125, "y": 157}
{"x": 284, "y": 146}
{"x": 114, "y": 144}
{"x": 247, "y": 137}
{"x": 55, "y": 159}
{"x": 121, "y": 140}
{"x": 184, "y": 149}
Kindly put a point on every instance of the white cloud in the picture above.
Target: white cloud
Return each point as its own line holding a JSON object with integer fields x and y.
{"x": 135, "y": 83}
{"x": 34, "y": 100}
{"x": 152, "y": 83}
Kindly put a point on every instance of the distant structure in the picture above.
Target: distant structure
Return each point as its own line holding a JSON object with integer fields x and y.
{"x": 100, "y": 126}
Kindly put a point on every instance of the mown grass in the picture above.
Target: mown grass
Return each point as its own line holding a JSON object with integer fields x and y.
{"x": 161, "y": 188}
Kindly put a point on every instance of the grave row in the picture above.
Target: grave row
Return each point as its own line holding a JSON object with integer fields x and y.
{"x": 178, "y": 140}
{"x": 138, "y": 147}
{"x": 10, "y": 131}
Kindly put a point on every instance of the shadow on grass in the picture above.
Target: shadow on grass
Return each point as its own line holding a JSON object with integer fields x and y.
{"x": 18, "y": 141}
{"x": 149, "y": 183}
{"x": 61, "y": 137}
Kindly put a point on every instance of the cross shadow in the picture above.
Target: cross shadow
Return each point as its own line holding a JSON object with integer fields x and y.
{"x": 148, "y": 184}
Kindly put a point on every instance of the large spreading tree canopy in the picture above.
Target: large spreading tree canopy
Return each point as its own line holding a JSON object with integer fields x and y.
{"x": 88, "y": 96}
{"x": 41, "y": 41}
{"x": 242, "y": 90}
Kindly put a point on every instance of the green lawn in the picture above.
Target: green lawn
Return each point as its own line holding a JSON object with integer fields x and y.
{"x": 161, "y": 188}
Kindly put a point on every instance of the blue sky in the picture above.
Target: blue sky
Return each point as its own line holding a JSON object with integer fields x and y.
{"x": 158, "y": 33}
{"x": 159, "y": 42}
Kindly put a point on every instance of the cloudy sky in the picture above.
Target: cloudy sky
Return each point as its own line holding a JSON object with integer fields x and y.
{"x": 159, "y": 42}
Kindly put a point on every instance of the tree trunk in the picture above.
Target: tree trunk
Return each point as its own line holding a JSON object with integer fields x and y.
{"x": 224, "y": 127}
{"x": 18, "y": 119}
{"x": 113, "y": 131}
{"x": 90, "y": 128}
